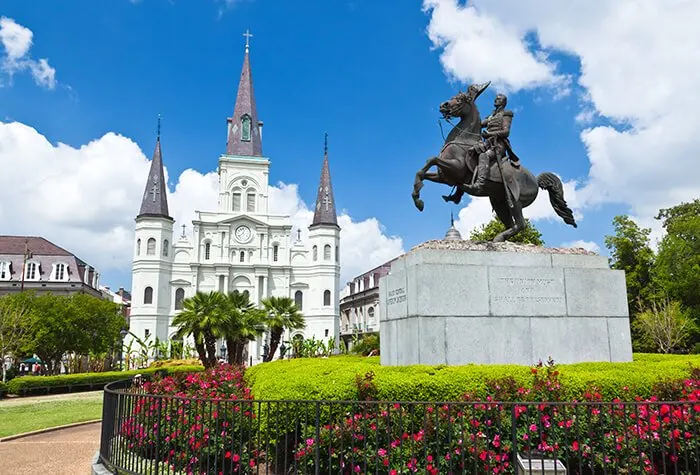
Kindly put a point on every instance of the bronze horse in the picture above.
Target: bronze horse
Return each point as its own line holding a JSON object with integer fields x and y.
{"x": 509, "y": 188}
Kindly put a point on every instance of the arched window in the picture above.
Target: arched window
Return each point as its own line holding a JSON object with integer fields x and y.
{"x": 245, "y": 128}
{"x": 246, "y": 293}
{"x": 337, "y": 254}
{"x": 326, "y": 297}
{"x": 179, "y": 297}
{"x": 148, "y": 295}
{"x": 241, "y": 256}
{"x": 236, "y": 201}
{"x": 370, "y": 312}
{"x": 166, "y": 244}
{"x": 315, "y": 253}
{"x": 138, "y": 247}
{"x": 299, "y": 299}
{"x": 250, "y": 201}
{"x": 275, "y": 252}
{"x": 207, "y": 251}
{"x": 60, "y": 271}
{"x": 32, "y": 271}
{"x": 151, "y": 247}
{"x": 327, "y": 252}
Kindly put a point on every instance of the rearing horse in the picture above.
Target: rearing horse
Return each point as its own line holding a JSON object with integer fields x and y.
{"x": 509, "y": 188}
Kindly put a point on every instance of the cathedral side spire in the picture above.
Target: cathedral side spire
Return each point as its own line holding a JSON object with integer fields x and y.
{"x": 325, "y": 204}
{"x": 155, "y": 201}
{"x": 244, "y": 134}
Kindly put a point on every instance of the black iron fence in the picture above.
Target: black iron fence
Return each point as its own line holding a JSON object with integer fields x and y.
{"x": 148, "y": 434}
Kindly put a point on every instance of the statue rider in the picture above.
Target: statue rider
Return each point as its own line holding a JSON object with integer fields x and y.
{"x": 496, "y": 142}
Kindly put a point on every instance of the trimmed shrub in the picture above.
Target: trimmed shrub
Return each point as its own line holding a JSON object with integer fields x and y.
{"x": 82, "y": 381}
{"x": 170, "y": 363}
{"x": 334, "y": 378}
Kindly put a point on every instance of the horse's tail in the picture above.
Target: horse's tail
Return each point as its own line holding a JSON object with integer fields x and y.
{"x": 550, "y": 182}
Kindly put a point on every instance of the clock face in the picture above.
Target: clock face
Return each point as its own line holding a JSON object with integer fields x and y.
{"x": 243, "y": 233}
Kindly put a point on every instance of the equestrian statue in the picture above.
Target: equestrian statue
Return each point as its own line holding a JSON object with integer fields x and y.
{"x": 482, "y": 163}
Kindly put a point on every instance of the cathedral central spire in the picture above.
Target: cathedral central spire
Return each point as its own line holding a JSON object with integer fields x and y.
{"x": 244, "y": 134}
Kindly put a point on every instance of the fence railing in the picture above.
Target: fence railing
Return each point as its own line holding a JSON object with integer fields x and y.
{"x": 149, "y": 434}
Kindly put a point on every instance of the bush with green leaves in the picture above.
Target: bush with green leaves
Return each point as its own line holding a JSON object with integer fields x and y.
{"x": 82, "y": 381}
{"x": 3, "y": 389}
{"x": 334, "y": 378}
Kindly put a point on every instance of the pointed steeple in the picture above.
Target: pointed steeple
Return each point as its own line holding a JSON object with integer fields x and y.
{"x": 325, "y": 204}
{"x": 244, "y": 135}
{"x": 155, "y": 201}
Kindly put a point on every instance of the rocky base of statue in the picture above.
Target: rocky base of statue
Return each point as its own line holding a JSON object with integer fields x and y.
{"x": 460, "y": 302}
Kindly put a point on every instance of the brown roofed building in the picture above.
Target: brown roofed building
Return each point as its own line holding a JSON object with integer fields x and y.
{"x": 34, "y": 263}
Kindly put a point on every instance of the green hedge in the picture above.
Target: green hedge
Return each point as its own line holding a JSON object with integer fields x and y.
{"x": 334, "y": 378}
{"x": 3, "y": 389}
{"x": 81, "y": 381}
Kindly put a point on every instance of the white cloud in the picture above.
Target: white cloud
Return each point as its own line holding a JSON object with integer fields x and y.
{"x": 16, "y": 41}
{"x": 639, "y": 67}
{"x": 78, "y": 199}
{"x": 587, "y": 245}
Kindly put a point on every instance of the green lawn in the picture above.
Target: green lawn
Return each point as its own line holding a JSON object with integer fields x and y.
{"x": 19, "y": 418}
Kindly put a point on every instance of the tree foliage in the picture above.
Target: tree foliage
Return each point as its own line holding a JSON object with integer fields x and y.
{"x": 488, "y": 231}
{"x": 630, "y": 252}
{"x": 677, "y": 269}
{"x": 14, "y": 324}
{"x": 665, "y": 327}
{"x": 282, "y": 313}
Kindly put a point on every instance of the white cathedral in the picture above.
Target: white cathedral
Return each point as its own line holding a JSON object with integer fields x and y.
{"x": 238, "y": 245}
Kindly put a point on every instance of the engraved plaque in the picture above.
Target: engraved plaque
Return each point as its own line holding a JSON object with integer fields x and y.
{"x": 535, "y": 291}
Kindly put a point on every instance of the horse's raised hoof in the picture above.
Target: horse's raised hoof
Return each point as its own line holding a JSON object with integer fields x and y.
{"x": 419, "y": 204}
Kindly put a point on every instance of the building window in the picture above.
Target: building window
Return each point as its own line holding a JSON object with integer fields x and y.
{"x": 326, "y": 297}
{"x": 275, "y": 252}
{"x": 60, "y": 271}
{"x": 236, "y": 201}
{"x": 241, "y": 256}
{"x": 207, "y": 251}
{"x": 246, "y": 293}
{"x": 138, "y": 247}
{"x": 326, "y": 331}
{"x": 146, "y": 333}
{"x": 245, "y": 128}
{"x": 179, "y": 297}
{"x": 4, "y": 271}
{"x": 166, "y": 244}
{"x": 337, "y": 254}
{"x": 370, "y": 312}
{"x": 31, "y": 271}
{"x": 327, "y": 252}
{"x": 148, "y": 295}
{"x": 151, "y": 247}
{"x": 315, "y": 253}
{"x": 250, "y": 202}
{"x": 299, "y": 299}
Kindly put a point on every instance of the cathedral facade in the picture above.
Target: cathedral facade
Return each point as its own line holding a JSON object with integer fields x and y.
{"x": 238, "y": 245}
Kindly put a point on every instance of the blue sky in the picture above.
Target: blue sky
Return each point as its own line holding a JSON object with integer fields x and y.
{"x": 367, "y": 72}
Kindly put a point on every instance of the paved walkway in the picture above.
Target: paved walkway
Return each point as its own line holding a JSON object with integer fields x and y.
{"x": 61, "y": 452}
{"x": 13, "y": 401}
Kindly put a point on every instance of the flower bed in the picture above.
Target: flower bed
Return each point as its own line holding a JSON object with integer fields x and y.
{"x": 210, "y": 423}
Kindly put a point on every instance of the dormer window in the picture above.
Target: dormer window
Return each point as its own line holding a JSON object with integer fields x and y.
{"x": 60, "y": 271}
{"x": 245, "y": 128}
{"x": 31, "y": 272}
{"x": 5, "y": 271}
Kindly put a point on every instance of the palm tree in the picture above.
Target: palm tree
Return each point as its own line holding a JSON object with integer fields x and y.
{"x": 201, "y": 317}
{"x": 243, "y": 323}
{"x": 281, "y": 313}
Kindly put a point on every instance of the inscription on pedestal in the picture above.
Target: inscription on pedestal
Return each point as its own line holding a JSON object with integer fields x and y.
{"x": 395, "y": 296}
{"x": 525, "y": 295}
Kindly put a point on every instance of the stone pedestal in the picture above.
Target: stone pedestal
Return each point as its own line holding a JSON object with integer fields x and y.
{"x": 457, "y": 302}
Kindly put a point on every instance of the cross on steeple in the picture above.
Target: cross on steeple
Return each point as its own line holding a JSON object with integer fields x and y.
{"x": 158, "y": 136}
{"x": 183, "y": 230}
{"x": 154, "y": 191}
{"x": 298, "y": 234}
{"x": 248, "y": 36}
